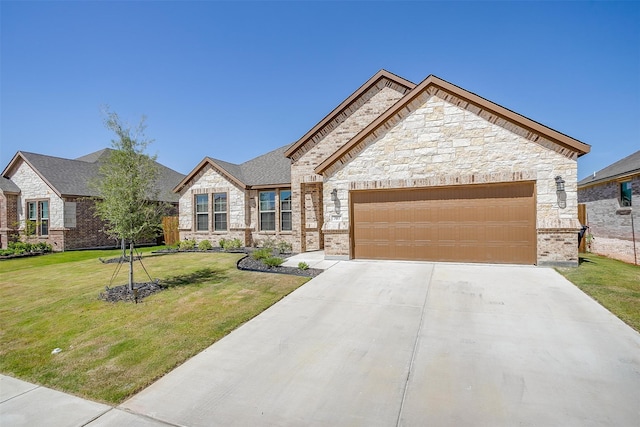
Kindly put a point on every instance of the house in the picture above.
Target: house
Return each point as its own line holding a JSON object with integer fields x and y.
{"x": 401, "y": 171}
{"x": 54, "y": 193}
{"x": 609, "y": 197}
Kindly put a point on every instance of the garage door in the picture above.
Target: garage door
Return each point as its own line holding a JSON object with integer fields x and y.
{"x": 478, "y": 223}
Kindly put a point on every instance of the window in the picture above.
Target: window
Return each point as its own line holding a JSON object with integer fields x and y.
{"x": 38, "y": 214}
{"x": 285, "y": 210}
{"x": 267, "y": 210}
{"x": 44, "y": 218}
{"x": 625, "y": 193}
{"x": 202, "y": 212}
{"x": 220, "y": 211}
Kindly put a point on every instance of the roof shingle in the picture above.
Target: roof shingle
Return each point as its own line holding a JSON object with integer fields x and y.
{"x": 628, "y": 165}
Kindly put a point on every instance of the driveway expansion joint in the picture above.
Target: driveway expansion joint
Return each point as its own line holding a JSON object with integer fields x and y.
{"x": 415, "y": 347}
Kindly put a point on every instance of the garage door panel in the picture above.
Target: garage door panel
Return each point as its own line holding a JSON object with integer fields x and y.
{"x": 492, "y": 223}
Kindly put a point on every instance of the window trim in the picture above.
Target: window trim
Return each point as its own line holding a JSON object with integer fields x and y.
{"x": 624, "y": 203}
{"x": 42, "y": 224}
{"x": 202, "y": 213}
{"x": 269, "y": 211}
{"x": 224, "y": 212}
{"x": 283, "y": 211}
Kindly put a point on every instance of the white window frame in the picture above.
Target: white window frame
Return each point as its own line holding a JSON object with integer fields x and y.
{"x": 220, "y": 213}
{"x": 202, "y": 213}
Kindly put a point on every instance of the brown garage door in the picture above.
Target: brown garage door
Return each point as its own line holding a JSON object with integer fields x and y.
{"x": 478, "y": 223}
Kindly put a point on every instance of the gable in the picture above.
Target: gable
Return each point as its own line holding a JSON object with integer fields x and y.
{"x": 381, "y": 81}
{"x": 442, "y": 141}
{"x": 480, "y": 107}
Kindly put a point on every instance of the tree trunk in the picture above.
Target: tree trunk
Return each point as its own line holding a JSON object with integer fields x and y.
{"x": 131, "y": 267}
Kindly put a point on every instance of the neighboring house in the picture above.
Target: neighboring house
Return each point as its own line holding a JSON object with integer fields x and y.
{"x": 54, "y": 193}
{"x": 402, "y": 171}
{"x": 612, "y": 197}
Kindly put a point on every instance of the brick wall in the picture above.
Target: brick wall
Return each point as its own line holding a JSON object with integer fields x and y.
{"x": 8, "y": 218}
{"x": 88, "y": 230}
{"x": 610, "y": 224}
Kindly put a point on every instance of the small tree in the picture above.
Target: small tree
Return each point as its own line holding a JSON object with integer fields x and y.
{"x": 127, "y": 195}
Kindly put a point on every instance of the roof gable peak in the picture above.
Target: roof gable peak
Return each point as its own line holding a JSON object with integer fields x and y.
{"x": 391, "y": 80}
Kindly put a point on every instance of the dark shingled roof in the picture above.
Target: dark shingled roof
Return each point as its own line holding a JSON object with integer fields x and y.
{"x": 626, "y": 166}
{"x": 71, "y": 177}
{"x": 8, "y": 186}
{"x": 272, "y": 168}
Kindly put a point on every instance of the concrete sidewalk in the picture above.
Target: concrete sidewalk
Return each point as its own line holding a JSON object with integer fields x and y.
{"x": 387, "y": 344}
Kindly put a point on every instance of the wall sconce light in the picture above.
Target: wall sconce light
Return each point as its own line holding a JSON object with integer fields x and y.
{"x": 335, "y": 200}
{"x": 562, "y": 195}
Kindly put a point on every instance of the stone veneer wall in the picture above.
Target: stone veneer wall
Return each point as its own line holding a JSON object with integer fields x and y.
{"x": 610, "y": 224}
{"x": 32, "y": 187}
{"x": 209, "y": 181}
{"x": 325, "y": 142}
{"x": 440, "y": 140}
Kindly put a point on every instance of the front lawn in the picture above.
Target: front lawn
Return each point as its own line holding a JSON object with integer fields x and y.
{"x": 614, "y": 284}
{"x": 111, "y": 351}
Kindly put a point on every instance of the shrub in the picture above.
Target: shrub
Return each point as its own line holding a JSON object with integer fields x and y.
{"x": 284, "y": 247}
{"x": 187, "y": 245}
{"x": 261, "y": 253}
{"x": 303, "y": 265}
{"x": 230, "y": 245}
{"x": 273, "y": 261}
{"x": 268, "y": 243}
{"x": 222, "y": 243}
{"x": 205, "y": 245}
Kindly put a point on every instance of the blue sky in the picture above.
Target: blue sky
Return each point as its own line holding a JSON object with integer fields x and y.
{"x": 233, "y": 80}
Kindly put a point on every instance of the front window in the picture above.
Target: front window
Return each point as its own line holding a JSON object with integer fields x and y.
{"x": 202, "y": 212}
{"x": 220, "y": 211}
{"x": 625, "y": 193}
{"x": 44, "y": 218}
{"x": 267, "y": 210}
{"x": 38, "y": 218}
{"x": 285, "y": 210}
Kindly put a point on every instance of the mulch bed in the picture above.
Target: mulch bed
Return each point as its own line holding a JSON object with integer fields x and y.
{"x": 250, "y": 264}
{"x": 121, "y": 293}
{"x": 142, "y": 290}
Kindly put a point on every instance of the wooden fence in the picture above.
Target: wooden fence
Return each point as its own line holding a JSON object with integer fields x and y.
{"x": 582, "y": 217}
{"x": 170, "y": 229}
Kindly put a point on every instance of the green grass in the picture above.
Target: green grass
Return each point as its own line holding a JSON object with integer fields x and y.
{"x": 614, "y": 284}
{"x": 111, "y": 351}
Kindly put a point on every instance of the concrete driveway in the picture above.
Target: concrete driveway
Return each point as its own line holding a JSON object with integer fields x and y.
{"x": 415, "y": 344}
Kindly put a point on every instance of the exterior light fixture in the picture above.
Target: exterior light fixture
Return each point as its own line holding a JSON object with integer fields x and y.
{"x": 335, "y": 200}
{"x": 562, "y": 195}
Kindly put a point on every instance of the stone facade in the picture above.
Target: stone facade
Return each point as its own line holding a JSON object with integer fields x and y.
{"x": 391, "y": 134}
{"x": 33, "y": 188}
{"x": 439, "y": 140}
{"x": 209, "y": 181}
{"x": 308, "y": 217}
{"x": 612, "y": 227}
{"x": 243, "y": 221}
